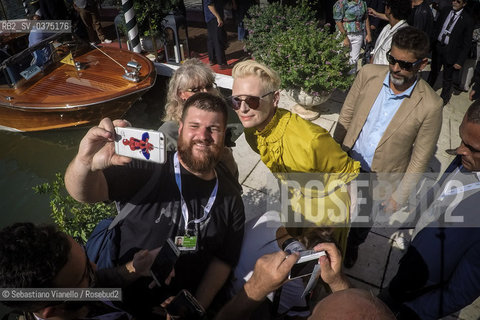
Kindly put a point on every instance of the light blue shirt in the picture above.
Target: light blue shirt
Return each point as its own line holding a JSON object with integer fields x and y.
{"x": 382, "y": 112}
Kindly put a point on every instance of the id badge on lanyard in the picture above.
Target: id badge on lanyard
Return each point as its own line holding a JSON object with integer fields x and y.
{"x": 189, "y": 241}
{"x": 186, "y": 242}
{"x": 451, "y": 190}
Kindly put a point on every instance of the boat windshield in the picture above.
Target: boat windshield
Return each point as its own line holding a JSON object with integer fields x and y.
{"x": 39, "y": 58}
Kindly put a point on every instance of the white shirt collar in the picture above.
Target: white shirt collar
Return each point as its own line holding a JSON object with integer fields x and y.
{"x": 459, "y": 12}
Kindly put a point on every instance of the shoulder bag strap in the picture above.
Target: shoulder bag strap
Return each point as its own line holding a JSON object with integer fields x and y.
{"x": 138, "y": 197}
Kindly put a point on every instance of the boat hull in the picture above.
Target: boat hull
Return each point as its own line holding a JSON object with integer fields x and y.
{"x": 27, "y": 120}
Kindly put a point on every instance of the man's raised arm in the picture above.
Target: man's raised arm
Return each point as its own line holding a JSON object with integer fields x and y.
{"x": 84, "y": 177}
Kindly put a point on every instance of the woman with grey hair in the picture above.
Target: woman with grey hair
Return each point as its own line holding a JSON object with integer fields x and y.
{"x": 193, "y": 76}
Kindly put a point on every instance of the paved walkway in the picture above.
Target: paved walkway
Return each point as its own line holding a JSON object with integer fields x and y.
{"x": 379, "y": 255}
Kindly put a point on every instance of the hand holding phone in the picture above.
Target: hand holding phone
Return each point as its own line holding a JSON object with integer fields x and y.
{"x": 147, "y": 145}
{"x": 185, "y": 306}
{"x": 331, "y": 267}
{"x": 164, "y": 262}
{"x": 306, "y": 264}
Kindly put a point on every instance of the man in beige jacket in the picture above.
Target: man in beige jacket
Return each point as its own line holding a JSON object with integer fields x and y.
{"x": 390, "y": 122}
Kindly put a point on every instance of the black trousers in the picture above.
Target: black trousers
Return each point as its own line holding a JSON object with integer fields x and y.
{"x": 450, "y": 74}
{"x": 216, "y": 42}
{"x": 358, "y": 233}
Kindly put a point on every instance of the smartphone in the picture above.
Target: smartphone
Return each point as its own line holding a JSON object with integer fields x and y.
{"x": 147, "y": 145}
{"x": 164, "y": 262}
{"x": 306, "y": 263}
{"x": 185, "y": 306}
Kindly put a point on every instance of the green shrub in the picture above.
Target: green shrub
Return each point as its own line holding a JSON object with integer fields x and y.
{"x": 310, "y": 59}
{"x": 72, "y": 217}
{"x": 306, "y": 56}
{"x": 150, "y": 14}
{"x": 264, "y": 22}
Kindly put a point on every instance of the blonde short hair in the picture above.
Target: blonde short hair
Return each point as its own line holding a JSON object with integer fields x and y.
{"x": 268, "y": 77}
{"x": 192, "y": 73}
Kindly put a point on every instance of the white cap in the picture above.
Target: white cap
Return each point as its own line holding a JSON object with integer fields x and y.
{"x": 38, "y": 13}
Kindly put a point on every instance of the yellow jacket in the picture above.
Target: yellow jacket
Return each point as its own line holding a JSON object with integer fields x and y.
{"x": 313, "y": 167}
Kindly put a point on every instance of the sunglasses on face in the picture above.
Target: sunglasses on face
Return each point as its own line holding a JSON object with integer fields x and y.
{"x": 457, "y": 1}
{"x": 198, "y": 89}
{"x": 405, "y": 65}
{"x": 252, "y": 102}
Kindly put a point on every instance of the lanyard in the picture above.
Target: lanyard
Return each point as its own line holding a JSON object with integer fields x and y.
{"x": 451, "y": 190}
{"x": 211, "y": 199}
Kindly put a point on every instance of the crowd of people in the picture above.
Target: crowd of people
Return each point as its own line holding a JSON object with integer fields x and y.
{"x": 386, "y": 135}
{"x": 439, "y": 20}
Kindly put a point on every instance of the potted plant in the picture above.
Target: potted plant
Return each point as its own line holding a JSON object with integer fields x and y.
{"x": 150, "y": 14}
{"x": 311, "y": 62}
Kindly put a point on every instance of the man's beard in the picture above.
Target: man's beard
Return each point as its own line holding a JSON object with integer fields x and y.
{"x": 402, "y": 80}
{"x": 199, "y": 164}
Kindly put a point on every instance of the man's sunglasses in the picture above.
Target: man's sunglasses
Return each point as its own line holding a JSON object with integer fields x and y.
{"x": 252, "y": 102}
{"x": 405, "y": 65}
{"x": 198, "y": 89}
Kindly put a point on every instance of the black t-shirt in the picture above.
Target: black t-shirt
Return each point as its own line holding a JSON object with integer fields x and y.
{"x": 421, "y": 17}
{"x": 158, "y": 216}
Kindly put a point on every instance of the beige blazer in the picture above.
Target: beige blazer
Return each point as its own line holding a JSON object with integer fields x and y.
{"x": 408, "y": 142}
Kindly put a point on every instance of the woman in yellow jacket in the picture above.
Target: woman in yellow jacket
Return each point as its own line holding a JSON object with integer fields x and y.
{"x": 301, "y": 154}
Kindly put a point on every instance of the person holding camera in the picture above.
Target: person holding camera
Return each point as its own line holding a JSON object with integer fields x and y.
{"x": 271, "y": 272}
{"x": 191, "y": 198}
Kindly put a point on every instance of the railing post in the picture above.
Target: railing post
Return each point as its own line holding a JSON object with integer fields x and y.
{"x": 132, "y": 27}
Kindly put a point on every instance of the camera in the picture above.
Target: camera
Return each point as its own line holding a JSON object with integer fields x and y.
{"x": 306, "y": 264}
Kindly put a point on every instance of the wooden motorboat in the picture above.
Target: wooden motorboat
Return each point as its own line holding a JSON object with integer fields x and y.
{"x": 63, "y": 82}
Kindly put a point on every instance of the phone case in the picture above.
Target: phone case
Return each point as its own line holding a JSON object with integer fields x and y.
{"x": 185, "y": 306}
{"x": 147, "y": 145}
{"x": 164, "y": 262}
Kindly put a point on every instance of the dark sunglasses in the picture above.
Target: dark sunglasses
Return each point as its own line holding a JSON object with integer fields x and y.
{"x": 198, "y": 89}
{"x": 252, "y": 102}
{"x": 458, "y": 1}
{"x": 405, "y": 65}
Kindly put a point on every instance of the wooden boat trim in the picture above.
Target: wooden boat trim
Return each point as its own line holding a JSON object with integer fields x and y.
{"x": 63, "y": 95}
{"x": 108, "y": 80}
{"x": 67, "y": 107}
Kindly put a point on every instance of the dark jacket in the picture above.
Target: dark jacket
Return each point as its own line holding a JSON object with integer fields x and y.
{"x": 460, "y": 38}
{"x": 421, "y": 18}
{"x": 53, "y": 10}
